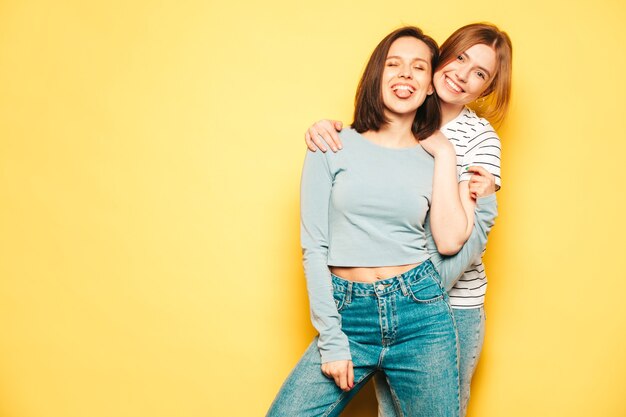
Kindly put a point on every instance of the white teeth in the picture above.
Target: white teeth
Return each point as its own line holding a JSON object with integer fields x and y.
{"x": 404, "y": 87}
{"x": 453, "y": 85}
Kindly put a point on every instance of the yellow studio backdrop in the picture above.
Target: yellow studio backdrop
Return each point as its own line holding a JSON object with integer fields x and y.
{"x": 150, "y": 155}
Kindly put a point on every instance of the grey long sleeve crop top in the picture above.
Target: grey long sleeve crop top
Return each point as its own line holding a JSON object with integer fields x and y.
{"x": 367, "y": 206}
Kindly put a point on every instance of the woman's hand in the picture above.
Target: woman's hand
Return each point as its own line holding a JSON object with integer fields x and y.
{"x": 437, "y": 144}
{"x": 322, "y": 133}
{"x": 482, "y": 183}
{"x": 342, "y": 372}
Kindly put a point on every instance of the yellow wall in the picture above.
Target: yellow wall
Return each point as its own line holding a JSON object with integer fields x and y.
{"x": 150, "y": 154}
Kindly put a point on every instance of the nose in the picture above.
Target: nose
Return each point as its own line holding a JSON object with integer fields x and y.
{"x": 405, "y": 72}
{"x": 462, "y": 73}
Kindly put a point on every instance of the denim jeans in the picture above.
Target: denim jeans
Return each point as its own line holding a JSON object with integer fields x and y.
{"x": 470, "y": 324}
{"x": 402, "y": 326}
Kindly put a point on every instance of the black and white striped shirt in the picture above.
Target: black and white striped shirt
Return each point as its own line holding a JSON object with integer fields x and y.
{"x": 476, "y": 143}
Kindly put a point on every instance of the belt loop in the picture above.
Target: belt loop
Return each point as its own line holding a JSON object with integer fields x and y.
{"x": 349, "y": 293}
{"x": 405, "y": 292}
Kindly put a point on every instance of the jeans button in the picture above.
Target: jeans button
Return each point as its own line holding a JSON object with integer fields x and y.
{"x": 380, "y": 287}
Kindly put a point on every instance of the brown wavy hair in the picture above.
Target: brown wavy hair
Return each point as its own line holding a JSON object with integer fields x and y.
{"x": 498, "y": 95}
{"x": 369, "y": 109}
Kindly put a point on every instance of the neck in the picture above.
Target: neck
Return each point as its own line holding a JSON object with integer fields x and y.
{"x": 449, "y": 111}
{"x": 395, "y": 134}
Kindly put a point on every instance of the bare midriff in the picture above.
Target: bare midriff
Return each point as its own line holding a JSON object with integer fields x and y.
{"x": 370, "y": 274}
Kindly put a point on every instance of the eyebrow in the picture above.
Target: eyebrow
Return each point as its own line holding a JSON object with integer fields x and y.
{"x": 481, "y": 68}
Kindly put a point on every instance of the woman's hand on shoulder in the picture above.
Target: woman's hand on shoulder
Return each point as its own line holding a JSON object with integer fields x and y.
{"x": 324, "y": 133}
{"x": 437, "y": 144}
{"x": 482, "y": 183}
{"x": 342, "y": 372}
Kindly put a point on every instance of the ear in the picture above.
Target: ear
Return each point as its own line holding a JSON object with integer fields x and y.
{"x": 430, "y": 89}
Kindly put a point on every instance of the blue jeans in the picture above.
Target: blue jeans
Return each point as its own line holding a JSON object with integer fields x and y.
{"x": 470, "y": 324}
{"x": 402, "y": 326}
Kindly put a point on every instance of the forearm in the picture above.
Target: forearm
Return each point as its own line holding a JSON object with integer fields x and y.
{"x": 332, "y": 343}
{"x": 448, "y": 218}
{"x": 450, "y": 268}
{"x": 469, "y": 206}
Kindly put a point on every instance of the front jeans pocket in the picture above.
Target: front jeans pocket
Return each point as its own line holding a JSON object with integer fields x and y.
{"x": 340, "y": 300}
{"x": 426, "y": 290}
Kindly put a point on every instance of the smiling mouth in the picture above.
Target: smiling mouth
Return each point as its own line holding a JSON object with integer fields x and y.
{"x": 403, "y": 90}
{"x": 454, "y": 86}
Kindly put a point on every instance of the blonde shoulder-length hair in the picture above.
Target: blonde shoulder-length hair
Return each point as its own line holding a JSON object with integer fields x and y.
{"x": 496, "y": 98}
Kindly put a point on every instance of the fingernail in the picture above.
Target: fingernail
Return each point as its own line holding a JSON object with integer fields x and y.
{"x": 466, "y": 168}
{"x": 334, "y": 149}
{"x": 340, "y": 147}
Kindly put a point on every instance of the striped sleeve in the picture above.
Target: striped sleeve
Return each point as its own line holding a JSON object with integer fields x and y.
{"x": 483, "y": 150}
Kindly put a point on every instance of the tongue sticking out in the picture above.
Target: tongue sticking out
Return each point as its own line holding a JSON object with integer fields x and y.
{"x": 402, "y": 93}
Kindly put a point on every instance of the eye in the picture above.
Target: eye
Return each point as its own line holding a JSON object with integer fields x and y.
{"x": 481, "y": 75}
{"x": 419, "y": 68}
{"x": 392, "y": 64}
{"x": 460, "y": 58}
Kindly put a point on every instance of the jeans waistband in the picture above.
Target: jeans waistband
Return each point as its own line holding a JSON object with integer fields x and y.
{"x": 385, "y": 286}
